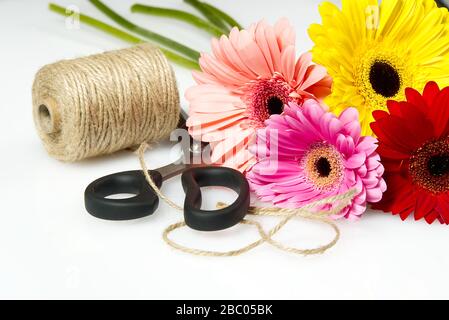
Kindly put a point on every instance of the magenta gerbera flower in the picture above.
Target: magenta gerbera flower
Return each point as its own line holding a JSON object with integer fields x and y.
{"x": 250, "y": 75}
{"x": 308, "y": 154}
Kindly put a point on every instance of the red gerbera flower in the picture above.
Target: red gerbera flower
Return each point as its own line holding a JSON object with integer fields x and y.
{"x": 414, "y": 148}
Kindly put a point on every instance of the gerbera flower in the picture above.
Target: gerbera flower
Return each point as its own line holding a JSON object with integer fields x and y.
{"x": 250, "y": 76}
{"x": 414, "y": 147}
{"x": 373, "y": 52}
{"x": 316, "y": 155}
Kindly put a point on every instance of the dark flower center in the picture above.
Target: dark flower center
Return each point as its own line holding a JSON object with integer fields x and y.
{"x": 275, "y": 105}
{"x": 384, "y": 79}
{"x": 429, "y": 166}
{"x": 438, "y": 165}
{"x": 323, "y": 167}
{"x": 267, "y": 97}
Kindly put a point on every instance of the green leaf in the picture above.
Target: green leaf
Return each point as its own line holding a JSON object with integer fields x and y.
{"x": 209, "y": 14}
{"x": 179, "y": 15}
{"x": 150, "y": 35}
{"x": 172, "y": 56}
{"x": 223, "y": 15}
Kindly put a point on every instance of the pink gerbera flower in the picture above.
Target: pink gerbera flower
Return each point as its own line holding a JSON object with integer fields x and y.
{"x": 250, "y": 76}
{"x": 309, "y": 154}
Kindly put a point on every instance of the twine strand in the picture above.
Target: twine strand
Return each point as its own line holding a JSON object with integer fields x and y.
{"x": 305, "y": 212}
{"x": 199, "y": 252}
{"x": 141, "y": 151}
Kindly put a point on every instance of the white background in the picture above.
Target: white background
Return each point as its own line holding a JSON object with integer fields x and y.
{"x": 51, "y": 248}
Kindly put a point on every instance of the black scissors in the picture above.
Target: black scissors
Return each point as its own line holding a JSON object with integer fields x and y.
{"x": 194, "y": 176}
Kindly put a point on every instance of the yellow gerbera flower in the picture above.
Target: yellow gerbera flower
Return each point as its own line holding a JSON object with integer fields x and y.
{"x": 374, "y": 51}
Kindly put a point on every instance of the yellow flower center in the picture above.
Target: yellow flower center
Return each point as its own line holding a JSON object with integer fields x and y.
{"x": 381, "y": 76}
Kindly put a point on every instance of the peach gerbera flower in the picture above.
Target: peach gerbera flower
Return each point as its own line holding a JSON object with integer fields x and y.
{"x": 251, "y": 75}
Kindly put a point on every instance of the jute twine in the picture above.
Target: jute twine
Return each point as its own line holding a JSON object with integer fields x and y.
{"x": 104, "y": 103}
{"x": 309, "y": 212}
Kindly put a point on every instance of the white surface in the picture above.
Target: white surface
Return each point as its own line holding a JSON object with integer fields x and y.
{"x": 51, "y": 248}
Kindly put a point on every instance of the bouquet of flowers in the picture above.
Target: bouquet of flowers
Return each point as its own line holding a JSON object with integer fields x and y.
{"x": 366, "y": 109}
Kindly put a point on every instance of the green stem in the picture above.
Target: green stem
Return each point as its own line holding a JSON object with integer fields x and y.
{"x": 179, "y": 15}
{"x": 175, "y": 58}
{"x": 96, "y": 24}
{"x": 188, "y": 52}
{"x": 209, "y": 14}
{"x": 224, "y": 16}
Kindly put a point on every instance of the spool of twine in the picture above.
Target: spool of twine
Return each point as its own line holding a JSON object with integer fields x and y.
{"x": 104, "y": 103}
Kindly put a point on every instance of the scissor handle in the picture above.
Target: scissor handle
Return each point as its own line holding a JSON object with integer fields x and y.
{"x": 143, "y": 204}
{"x": 204, "y": 220}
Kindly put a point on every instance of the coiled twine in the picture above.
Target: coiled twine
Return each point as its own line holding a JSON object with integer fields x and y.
{"x": 104, "y": 103}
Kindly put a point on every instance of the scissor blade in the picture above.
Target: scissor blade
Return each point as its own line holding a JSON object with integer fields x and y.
{"x": 182, "y": 119}
{"x": 173, "y": 169}
{"x": 191, "y": 156}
